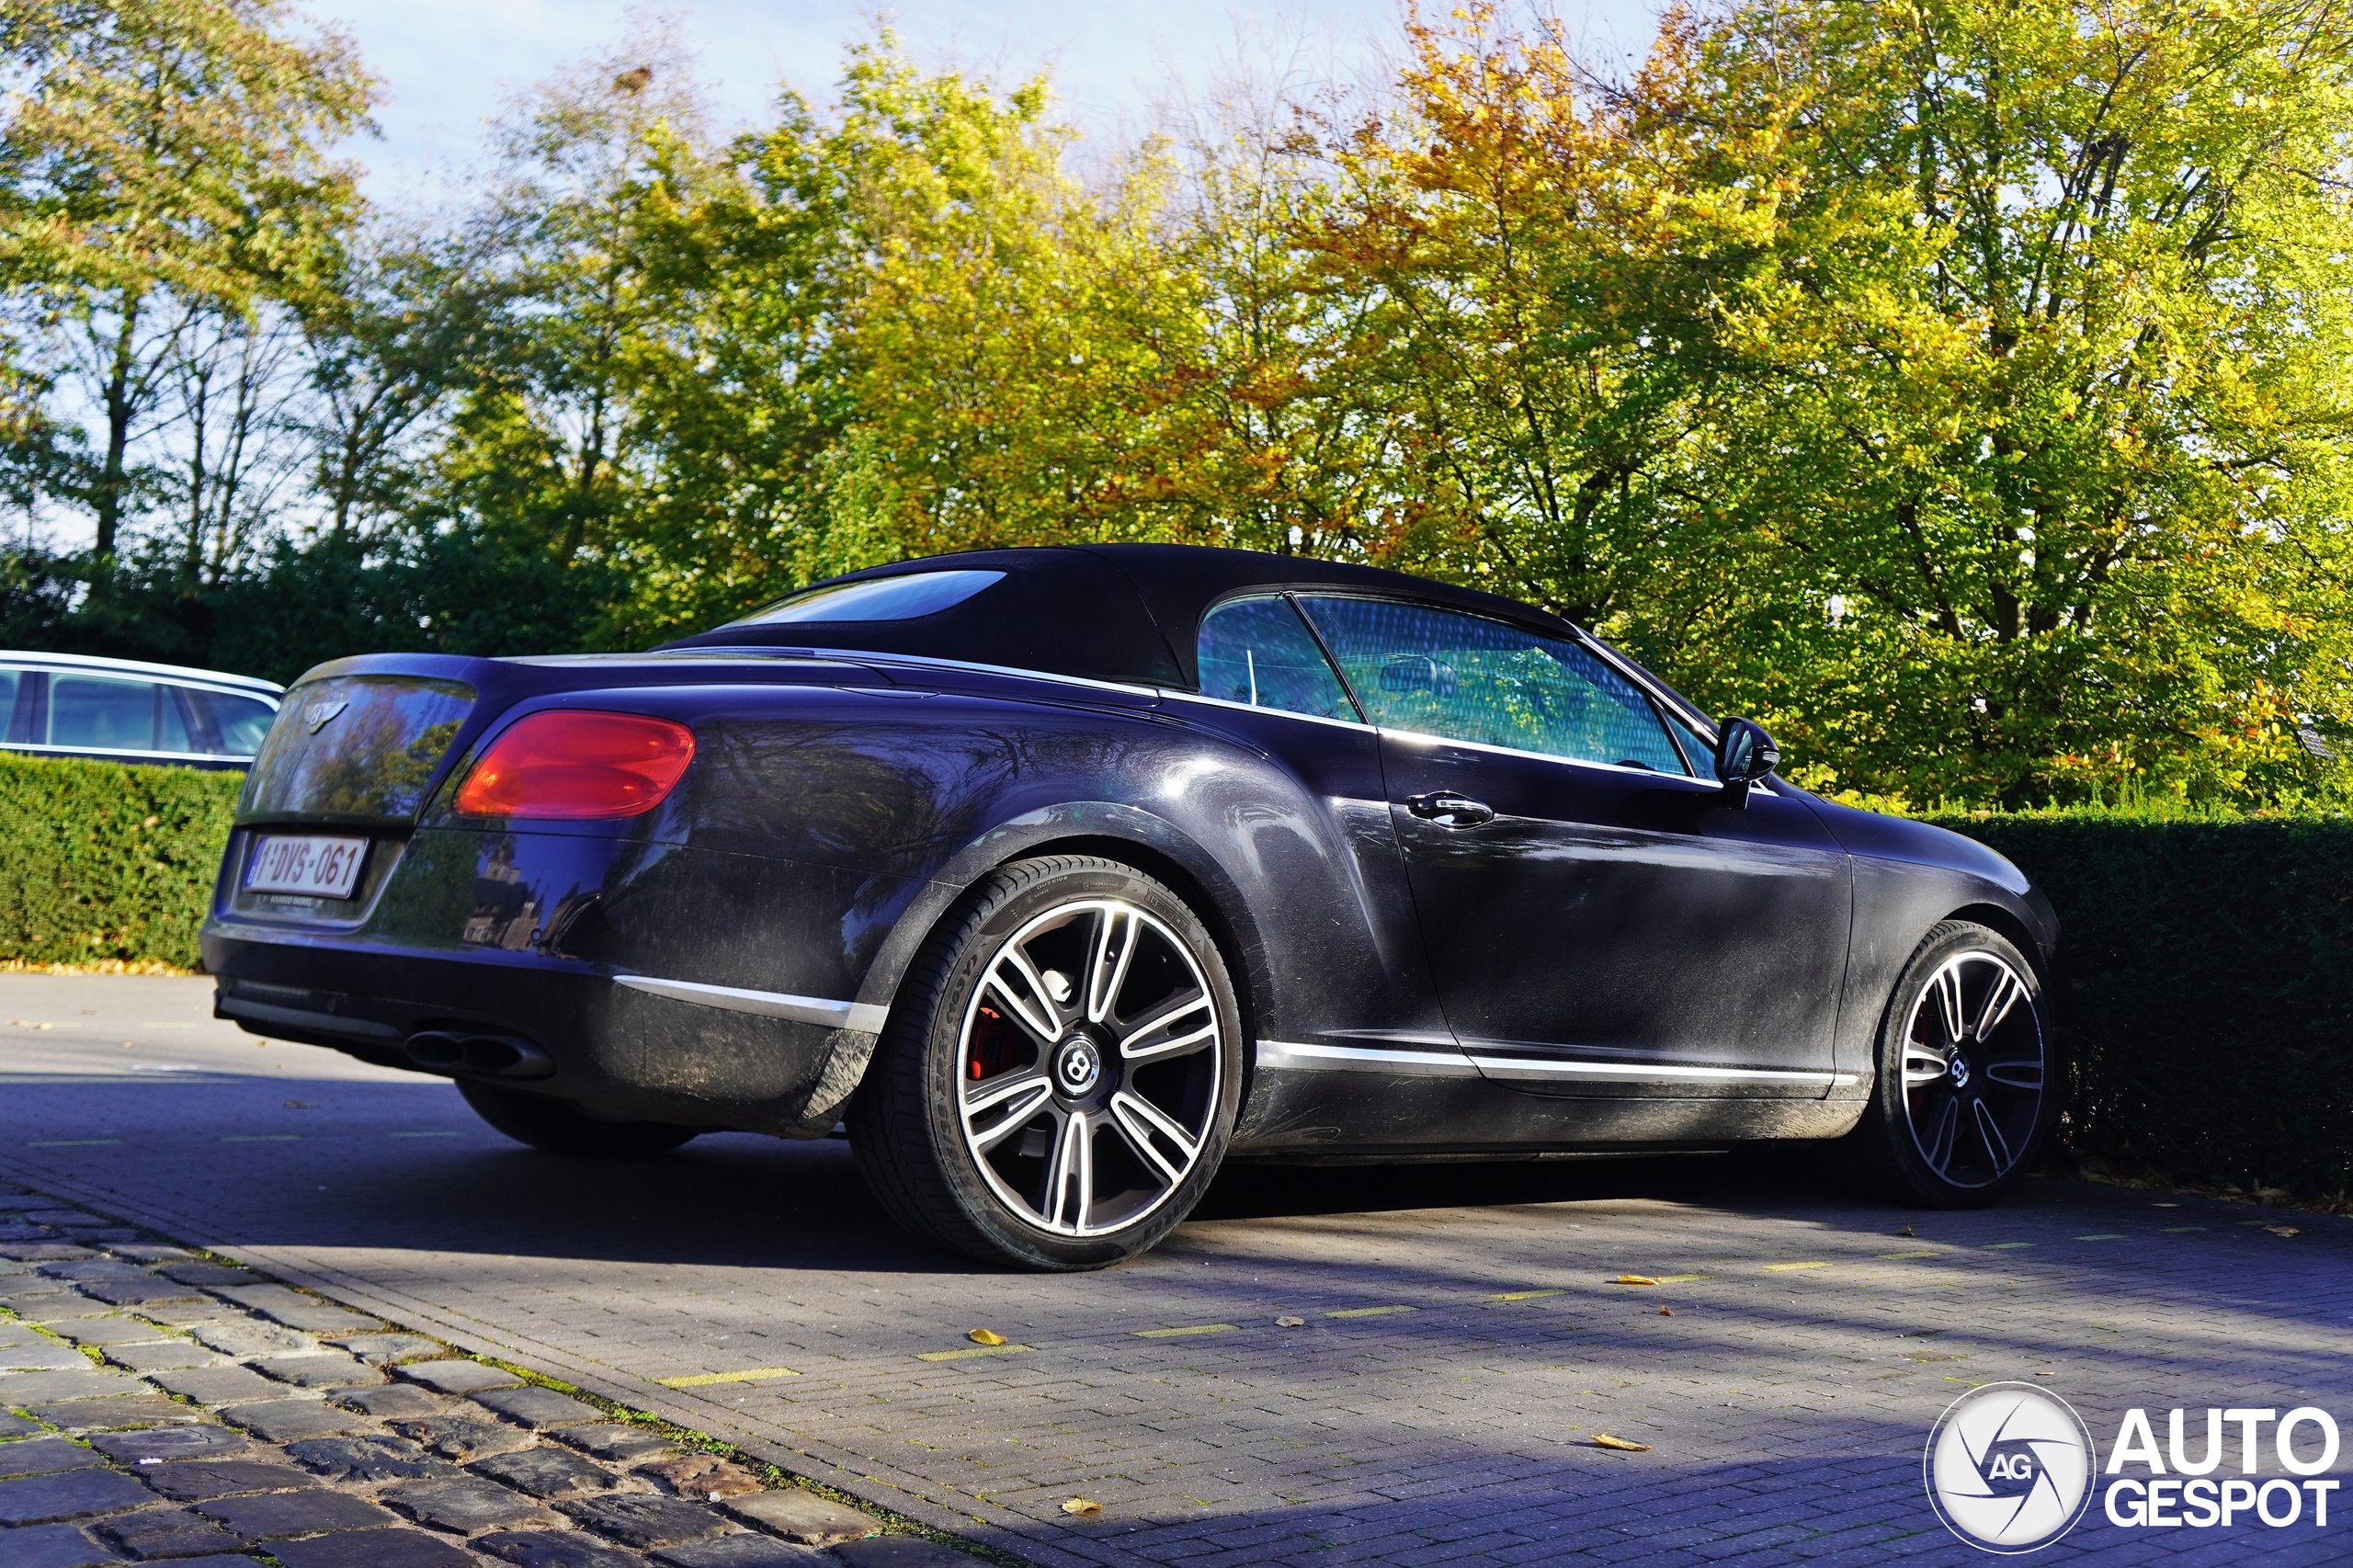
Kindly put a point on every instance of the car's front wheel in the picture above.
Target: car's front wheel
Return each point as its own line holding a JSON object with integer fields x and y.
{"x": 563, "y": 1128}
{"x": 1967, "y": 1081}
{"x": 1059, "y": 1075}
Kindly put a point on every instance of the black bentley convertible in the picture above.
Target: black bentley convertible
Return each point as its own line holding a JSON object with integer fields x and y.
{"x": 1059, "y": 876}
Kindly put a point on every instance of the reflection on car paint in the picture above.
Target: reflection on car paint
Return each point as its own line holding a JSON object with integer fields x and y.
{"x": 505, "y": 907}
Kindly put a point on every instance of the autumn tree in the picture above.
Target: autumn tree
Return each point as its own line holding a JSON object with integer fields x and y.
{"x": 2042, "y": 394}
{"x": 390, "y": 337}
{"x": 160, "y": 160}
{"x": 1960, "y": 387}
{"x": 1536, "y": 262}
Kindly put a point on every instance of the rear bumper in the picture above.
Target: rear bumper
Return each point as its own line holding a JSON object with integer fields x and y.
{"x": 611, "y": 1047}
{"x": 637, "y": 978}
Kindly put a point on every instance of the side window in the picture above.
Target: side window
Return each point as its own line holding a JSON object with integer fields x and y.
{"x": 1444, "y": 673}
{"x": 16, "y": 688}
{"x": 1258, "y": 652}
{"x": 102, "y": 714}
{"x": 231, "y": 726}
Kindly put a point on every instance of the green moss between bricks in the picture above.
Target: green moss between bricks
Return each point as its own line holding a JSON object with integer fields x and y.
{"x": 102, "y": 863}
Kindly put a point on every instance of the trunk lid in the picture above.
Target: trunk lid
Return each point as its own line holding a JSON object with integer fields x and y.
{"x": 360, "y": 748}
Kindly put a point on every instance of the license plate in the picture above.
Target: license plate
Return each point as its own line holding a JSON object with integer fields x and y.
{"x": 321, "y": 868}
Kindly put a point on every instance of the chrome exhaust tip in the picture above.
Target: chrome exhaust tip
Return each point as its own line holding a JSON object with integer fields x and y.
{"x": 478, "y": 1054}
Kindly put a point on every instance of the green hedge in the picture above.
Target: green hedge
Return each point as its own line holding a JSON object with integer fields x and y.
{"x": 2205, "y": 989}
{"x": 104, "y": 862}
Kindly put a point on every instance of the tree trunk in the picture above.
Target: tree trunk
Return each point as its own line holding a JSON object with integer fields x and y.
{"x": 109, "y": 492}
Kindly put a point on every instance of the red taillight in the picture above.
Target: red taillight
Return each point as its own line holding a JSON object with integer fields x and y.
{"x": 578, "y": 766}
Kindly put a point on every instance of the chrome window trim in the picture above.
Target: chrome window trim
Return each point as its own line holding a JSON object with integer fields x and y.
{"x": 686, "y": 657}
{"x": 138, "y": 669}
{"x": 1319, "y": 1058}
{"x": 926, "y": 661}
{"x": 1173, "y": 695}
{"x": 862, "y": 1016}
{"x": 46, "y": 748}
{"x": 1701, "y": 786}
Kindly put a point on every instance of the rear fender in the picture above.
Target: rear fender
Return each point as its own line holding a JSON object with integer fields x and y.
{"x": 1094, "y": 827}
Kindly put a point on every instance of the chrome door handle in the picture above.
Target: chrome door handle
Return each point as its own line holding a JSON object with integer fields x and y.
{"x": 1451, "y": 810}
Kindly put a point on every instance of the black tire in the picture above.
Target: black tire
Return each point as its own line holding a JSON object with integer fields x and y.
{"x": 1961, "y": 1137}
{"x": 1000, "y": 1185}
{"x": 563, "y": 1128}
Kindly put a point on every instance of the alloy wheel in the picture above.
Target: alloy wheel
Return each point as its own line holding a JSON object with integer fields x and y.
{"x": 1974, "y": 1070}
{"x": 1088, "y": 1066}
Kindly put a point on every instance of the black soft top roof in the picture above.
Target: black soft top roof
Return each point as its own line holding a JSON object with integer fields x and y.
{"x": 1124, "y": 612}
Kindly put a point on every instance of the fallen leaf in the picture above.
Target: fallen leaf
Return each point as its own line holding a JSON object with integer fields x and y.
{"x": 1291, "y": 1323}
{"x": 1082, "y": 1507}
{"x": 985, "y": 1337}
{"x": 1666, "y": 1311}
{"x": 1633, "y": 1279}
{"x": 2281, "y": 1230}
{"x": 1604, "y": 1440}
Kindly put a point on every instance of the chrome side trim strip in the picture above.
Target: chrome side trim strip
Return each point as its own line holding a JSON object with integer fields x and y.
{"x": 1441, "y": 1043}
{"x": 1647, "y": 1072}
{"x": 926, "y": 661}
{"x": 1318, "y": 1057}
{"x": 862, "y": 1016}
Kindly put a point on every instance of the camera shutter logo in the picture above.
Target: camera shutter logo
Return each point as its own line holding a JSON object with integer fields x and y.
{"x": 2010, "y": 1467}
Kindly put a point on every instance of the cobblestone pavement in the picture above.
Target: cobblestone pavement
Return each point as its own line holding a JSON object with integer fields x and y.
{"x": 1458, "y": 1345}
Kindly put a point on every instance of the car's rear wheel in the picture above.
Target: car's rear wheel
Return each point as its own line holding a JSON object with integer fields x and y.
{"x": 1059, "y": 1077}
{"x": 1966, "y": 1090}
{"x": 563, "y": 1128}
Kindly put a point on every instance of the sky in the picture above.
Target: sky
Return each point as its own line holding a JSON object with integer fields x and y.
{"x": 448, "y": 65}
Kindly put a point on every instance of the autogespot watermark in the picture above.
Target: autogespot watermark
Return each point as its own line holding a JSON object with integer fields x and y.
{"x": 2011, "y": 1468}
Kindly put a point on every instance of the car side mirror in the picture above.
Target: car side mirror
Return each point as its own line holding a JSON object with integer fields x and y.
{"x": 1744, "y": 754}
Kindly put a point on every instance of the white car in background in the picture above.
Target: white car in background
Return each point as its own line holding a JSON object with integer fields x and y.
{"x": 123, "y": 710}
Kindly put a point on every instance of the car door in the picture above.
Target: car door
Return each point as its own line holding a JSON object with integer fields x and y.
{"x": 1366, "y": 999}
{"x": 1600, "y": 921}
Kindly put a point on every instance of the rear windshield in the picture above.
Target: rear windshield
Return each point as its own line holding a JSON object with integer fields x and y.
{"x": 877, "y": 598}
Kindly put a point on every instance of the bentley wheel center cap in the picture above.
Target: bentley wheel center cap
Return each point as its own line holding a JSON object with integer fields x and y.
{"x": 1960, "y": 1072}
{"x": 1077, "y": 1065}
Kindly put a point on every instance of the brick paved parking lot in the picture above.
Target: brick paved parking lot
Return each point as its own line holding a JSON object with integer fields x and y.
{"x": 1458, "y": 1349}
